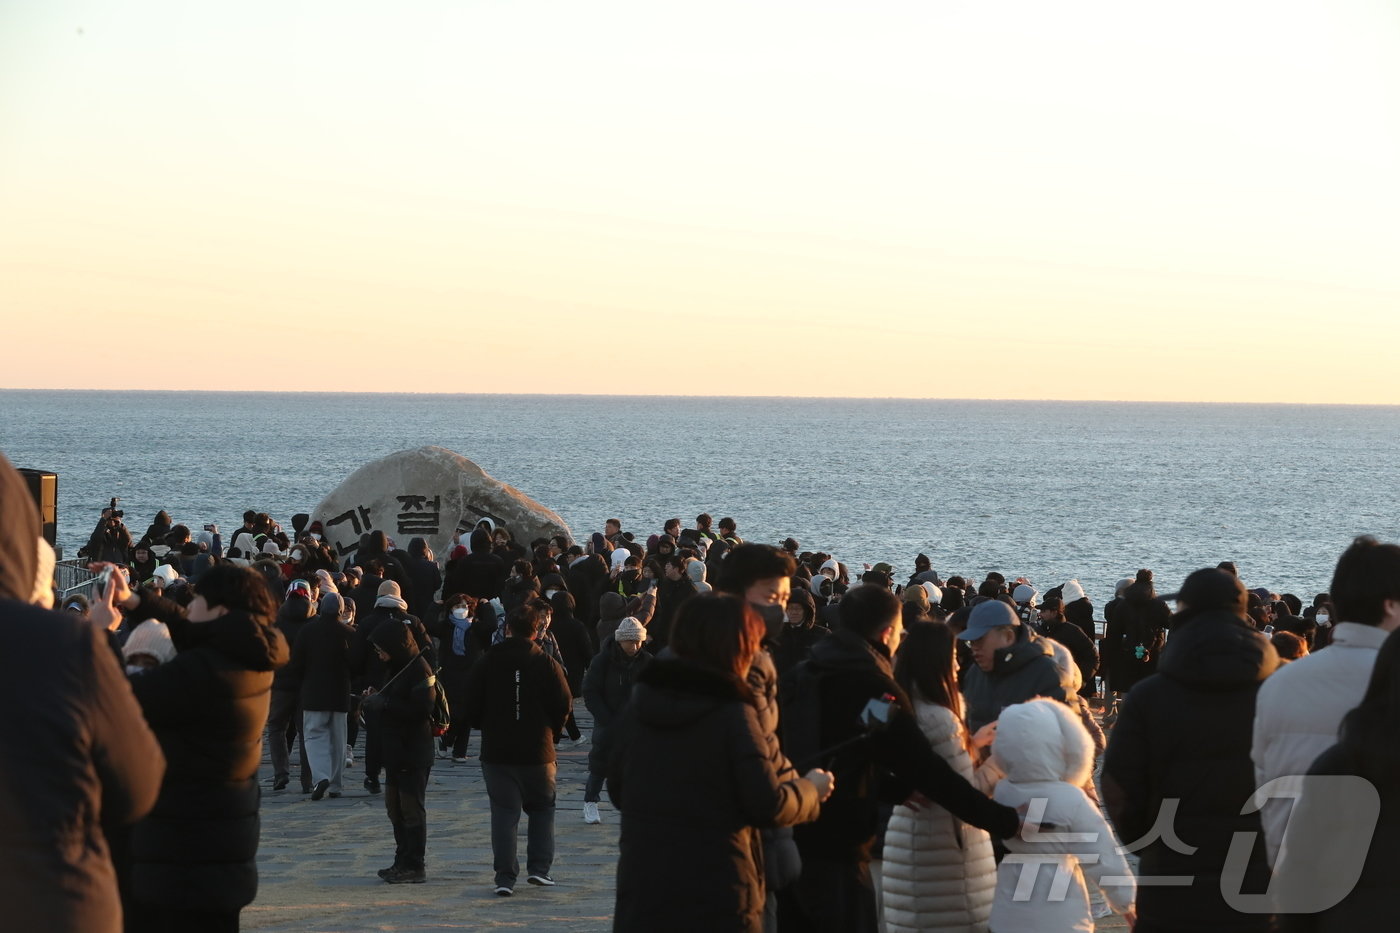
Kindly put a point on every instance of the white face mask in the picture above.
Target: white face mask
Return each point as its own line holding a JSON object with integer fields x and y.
{"x": 549, "y": 594}
{"x": 1323, "y": 618}
{"x": 133, "y": 669}
{"x": 315, "y": 536}
{"x": 459, "y": 613}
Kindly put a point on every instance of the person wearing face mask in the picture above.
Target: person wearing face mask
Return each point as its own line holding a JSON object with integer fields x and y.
{"x": 462, "y": 643}
{"x": 194, "y": 858}
{"x": 320, "y": 673}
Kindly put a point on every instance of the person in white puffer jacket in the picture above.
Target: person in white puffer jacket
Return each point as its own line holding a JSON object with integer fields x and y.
{"x": 939, "y": 873}
{"x": 1047, "y": 756}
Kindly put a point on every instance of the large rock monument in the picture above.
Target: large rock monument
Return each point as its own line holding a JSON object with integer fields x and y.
{"x": 428, "y": 493}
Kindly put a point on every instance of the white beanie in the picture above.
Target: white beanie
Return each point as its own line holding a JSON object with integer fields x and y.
{"x": 629, "y": 629}
{"x": 167, "y": 574}
{"x": 1025, "y": 593}
{"x": 935, "y": 595}
{"x": 619, "y": 557}
{"x": 1071, "y": 592}
{"x": 150, "y": 637}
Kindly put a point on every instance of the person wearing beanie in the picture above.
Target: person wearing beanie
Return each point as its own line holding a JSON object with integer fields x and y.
{"x": 606, "y": 688}
{"x": 695, "y": 569}
{"x": 1010, "y": 666}
{"x": 368, "y": 670}
{"x": 147, "y": 646}
{"x": 403, "y": 710}
{"x": 1182, "y": 740}
{"x": 319, "y": 673}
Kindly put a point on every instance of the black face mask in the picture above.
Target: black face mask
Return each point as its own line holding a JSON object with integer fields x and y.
{"x": 773, "y": 617}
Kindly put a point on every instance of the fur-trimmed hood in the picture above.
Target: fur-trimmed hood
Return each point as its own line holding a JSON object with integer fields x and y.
{"x": 1043, "y": 740}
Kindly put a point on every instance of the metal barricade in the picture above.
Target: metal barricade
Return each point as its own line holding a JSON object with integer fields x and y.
{"x": 72, "y": 577}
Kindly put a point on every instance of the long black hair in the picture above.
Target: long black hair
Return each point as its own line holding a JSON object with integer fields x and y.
{"x": 926, "y": 667}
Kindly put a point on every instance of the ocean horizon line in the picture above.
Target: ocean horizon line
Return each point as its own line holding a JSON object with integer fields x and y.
{"x": 700, "y": 397}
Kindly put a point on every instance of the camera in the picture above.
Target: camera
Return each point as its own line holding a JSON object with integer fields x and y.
{"x": 116, "y": 513}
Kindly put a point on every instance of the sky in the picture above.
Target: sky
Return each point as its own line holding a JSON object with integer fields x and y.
{"x": 1186, "y": 201}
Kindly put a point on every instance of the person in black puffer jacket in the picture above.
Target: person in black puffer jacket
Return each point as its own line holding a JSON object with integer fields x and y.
{"x": 606, "y": 688}
{"x": 424, "y": 579}
{"x": 403, "y": 709}
{"x": 284, "y": 714}
{"x": 1183, "y": 740}
{"x": 194, "y": 858}
{"x": 1134, "y": 637}
{"x": 691, "y": 773}
{"x": 480, "y": 574}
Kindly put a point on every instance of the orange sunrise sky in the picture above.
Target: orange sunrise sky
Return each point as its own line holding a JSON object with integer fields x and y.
{"x": 1189, "y": 201}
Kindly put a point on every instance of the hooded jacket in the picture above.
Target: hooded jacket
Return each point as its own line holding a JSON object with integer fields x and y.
{"x": 1047, "y": 756}
{"x": 1133, "y": 638}
{"x": 87, "y": 754}
{"x": 1022, "y": 672}
{"x": 197, "y": 849}
{"x": 691, "y": 773}
{"x": 1183, "y": 735}
{"x": 320, "y": 666}
{"x": 406, "y": 702}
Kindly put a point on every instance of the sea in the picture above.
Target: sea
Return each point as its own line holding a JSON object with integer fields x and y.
{"x": 1047, "y": 490}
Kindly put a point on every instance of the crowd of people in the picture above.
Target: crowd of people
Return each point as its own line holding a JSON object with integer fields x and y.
{"x": 767, "y": 721}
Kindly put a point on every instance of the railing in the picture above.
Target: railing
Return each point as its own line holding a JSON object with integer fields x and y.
{"x": 73, "y": 577}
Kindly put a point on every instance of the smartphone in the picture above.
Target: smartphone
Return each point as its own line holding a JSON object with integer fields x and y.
{"x": 1268, "y": 630}
{"x": 104, "y": 579}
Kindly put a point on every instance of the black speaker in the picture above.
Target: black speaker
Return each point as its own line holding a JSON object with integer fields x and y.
{"x": 43, "y": 486}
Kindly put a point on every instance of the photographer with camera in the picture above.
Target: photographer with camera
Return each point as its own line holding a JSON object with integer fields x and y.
{"x": 110, "y": 541}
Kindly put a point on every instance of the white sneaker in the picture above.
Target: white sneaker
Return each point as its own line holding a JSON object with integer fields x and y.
{"x": 581, "y": 740}
{"x": 590, "y": 812}
{"x": 349, "y": 756}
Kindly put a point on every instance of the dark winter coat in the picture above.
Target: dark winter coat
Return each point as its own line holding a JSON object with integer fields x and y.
{"x": 606, "y": 688}
{"x": 517, "y": 591}
{"x": 1133, "y": 638}
{"x": 77, "y": 754}
{"x": 320, "y": 666}
{"x": 1370, "y": 905}
{"x": 292, "y": 617}
{"x": 1081, "y": 648}
{"x": 404, "y": 706}
{"x": 670, "y": 595}
{"x": 197, "y": 849}
{"x": 519, "y": 699}
{"x": 424, "y": 580}
{"x": 1184, "y": 735}
{"x": 365, "y": 667}
{"x": 1022, "y": 672}
{"x": 587, "y": 580}
{"x": 794, "y": 645}
{"x": 822, "y": 702}
{"x": 691, "y": 774}
{"x": 480, "y": 574}
{"x": 575, "y": 649}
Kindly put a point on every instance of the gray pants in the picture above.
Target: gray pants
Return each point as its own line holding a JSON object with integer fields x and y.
{"x": 513, "y": 788}
{"x": 323, "y": 736}
{"x": 282, "y": 712}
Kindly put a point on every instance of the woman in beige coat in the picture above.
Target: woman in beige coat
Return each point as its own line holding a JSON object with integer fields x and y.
{"x": 939, "y": 872}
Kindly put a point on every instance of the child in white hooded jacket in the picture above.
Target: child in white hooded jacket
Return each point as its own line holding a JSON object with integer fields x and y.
{"x": 1048, "y": 757}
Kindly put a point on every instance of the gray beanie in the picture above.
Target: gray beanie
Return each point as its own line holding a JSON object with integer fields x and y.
{"x": 629, "y": 629}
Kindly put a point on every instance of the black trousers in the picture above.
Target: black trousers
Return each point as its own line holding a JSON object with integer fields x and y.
{"x": 831, "y": 896}
{"x": 405, "y": 795}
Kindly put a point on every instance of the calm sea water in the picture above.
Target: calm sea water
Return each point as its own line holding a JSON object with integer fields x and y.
{"x": 1049, "y": 490}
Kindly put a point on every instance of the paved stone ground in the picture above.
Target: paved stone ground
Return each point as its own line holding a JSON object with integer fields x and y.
{"x": 317, "y": 860}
